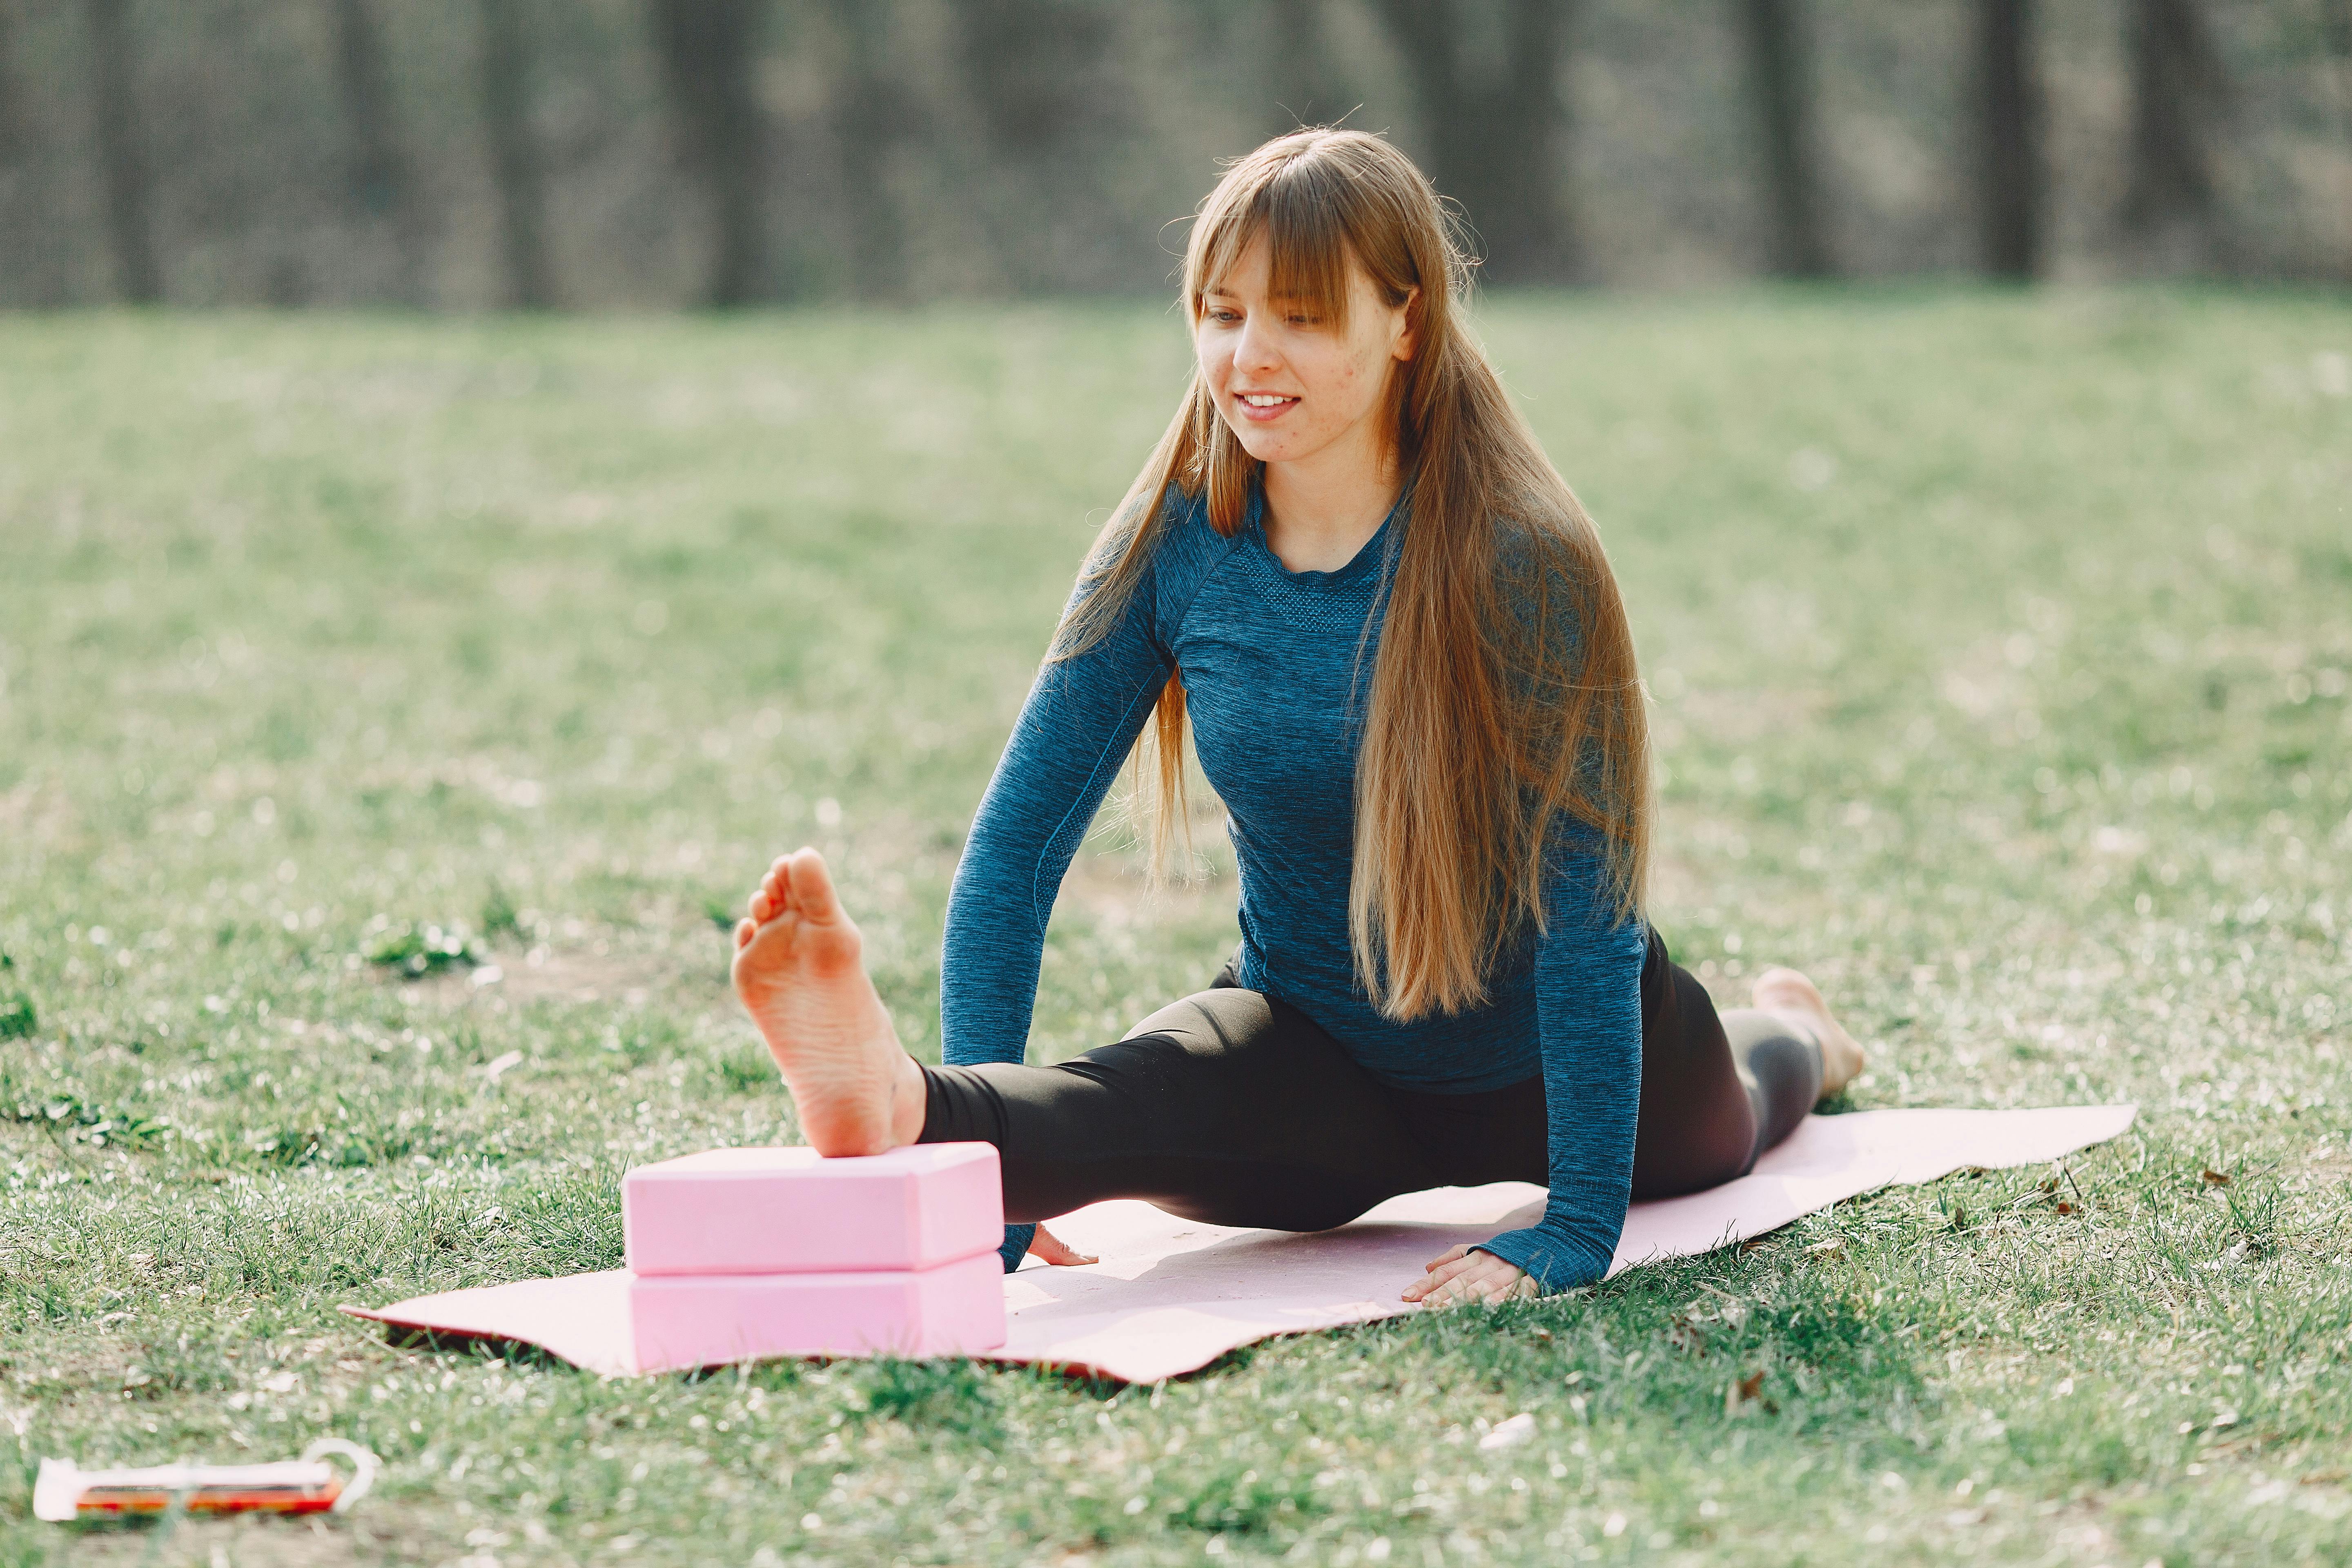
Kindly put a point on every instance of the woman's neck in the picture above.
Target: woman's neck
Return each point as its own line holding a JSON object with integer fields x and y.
{"x": 1320, "y": 510}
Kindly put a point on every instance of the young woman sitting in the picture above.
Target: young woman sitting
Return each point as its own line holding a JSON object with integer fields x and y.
{"x": 1389, "y": 628}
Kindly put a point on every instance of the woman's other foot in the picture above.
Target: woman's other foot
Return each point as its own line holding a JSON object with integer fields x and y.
{"x": 1790, "y": 995}
{"x": 800, "y": 970}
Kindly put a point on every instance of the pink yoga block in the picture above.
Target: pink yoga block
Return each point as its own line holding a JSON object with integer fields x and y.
{"x": 791, "y": 1211}
{"x": 957, "y": 1309}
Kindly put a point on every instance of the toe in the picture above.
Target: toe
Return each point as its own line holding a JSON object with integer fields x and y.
{"x": 812, "y": 887}
{"x": 745, "y": 931}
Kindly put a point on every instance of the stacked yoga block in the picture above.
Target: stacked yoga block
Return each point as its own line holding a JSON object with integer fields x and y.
{"x": 738, "y": 1253}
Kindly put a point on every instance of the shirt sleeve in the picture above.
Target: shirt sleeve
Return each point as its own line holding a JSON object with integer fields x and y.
{"x": 1588, "y": 1019}
{"x": 1080, "y": 720}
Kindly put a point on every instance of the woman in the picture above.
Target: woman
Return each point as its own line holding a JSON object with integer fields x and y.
{"x": 1349, "y": 573}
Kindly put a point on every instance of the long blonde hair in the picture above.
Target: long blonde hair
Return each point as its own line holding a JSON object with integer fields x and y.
{"x": 1505, "y": 694}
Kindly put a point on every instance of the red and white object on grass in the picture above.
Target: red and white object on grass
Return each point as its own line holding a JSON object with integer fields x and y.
{"x": 64, "y": 1492}
{"x": 791, "y": 1211}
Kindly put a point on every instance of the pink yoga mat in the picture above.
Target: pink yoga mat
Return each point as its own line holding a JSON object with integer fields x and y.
{"x": 1169, "y": 1296}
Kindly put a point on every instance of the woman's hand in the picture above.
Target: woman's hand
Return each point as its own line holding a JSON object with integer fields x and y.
{"x": 1057, "y": 1251}
{"x": 1462, "y": 1275}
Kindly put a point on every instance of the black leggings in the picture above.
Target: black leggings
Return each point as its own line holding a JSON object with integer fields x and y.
{"x": 1236, "y": 1109}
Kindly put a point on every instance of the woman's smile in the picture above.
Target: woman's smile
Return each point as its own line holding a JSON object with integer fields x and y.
{"x": 1264, "y": 407}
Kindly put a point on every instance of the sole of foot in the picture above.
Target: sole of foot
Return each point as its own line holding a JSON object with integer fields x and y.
{"x": 1785, "y": 991}
{"x": 800, "y": 972}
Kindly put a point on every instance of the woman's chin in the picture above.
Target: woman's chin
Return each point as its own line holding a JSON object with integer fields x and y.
{"x": 1268, "y": 446}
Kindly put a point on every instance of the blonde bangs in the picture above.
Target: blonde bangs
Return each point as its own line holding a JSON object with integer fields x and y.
{"x": 1307, "y": 239}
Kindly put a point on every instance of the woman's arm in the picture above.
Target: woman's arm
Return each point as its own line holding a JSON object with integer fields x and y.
{"x": 1081, "y": 717}
{"x": 1589, "y": 1015}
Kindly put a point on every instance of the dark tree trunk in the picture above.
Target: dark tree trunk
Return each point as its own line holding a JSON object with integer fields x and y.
{"x": 1529, "y": 221}
{"x": 122, "y": 154}
{"x": 1425, "y": 33}
{"x": 15, "y": 125}
{"x": 1033, "y": 67}
{"x": 1781, "y": 72}
{"x": 2178, "y": 91}
{"x": 514, "y": 158}
{"x": 710, "y": 51}
{"x": 1499, "y": 149}
{"x": 1041, "y": 75}
{"x": 2335, "y": 17}
{"x": 1305, "y": 89}
{"x": 2010, "y": 170}
{"x": 872, "y": 114}
{"x": 380, "y": 191}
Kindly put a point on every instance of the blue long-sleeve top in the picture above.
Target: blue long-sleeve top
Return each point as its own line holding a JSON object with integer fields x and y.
{"x": 1270, "y": 661}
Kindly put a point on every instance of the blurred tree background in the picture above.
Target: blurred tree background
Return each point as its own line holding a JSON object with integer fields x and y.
{"x": 466, "y": 154}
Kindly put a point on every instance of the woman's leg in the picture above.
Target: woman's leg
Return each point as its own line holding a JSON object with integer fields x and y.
{"x": 1234, "y": 1107}
{"x": 1718, "y": 1090}
{"x": 1227, "y": 1107}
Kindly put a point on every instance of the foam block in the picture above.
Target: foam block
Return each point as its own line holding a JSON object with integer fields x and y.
{"x": 957, "y": 1309}
{"x": 791, "y": 1211}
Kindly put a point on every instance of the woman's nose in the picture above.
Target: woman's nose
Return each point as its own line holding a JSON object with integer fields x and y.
{"x": 1254, "y": 349}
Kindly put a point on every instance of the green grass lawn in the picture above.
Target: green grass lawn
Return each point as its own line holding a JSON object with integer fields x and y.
{"x": 1999, "y": 647}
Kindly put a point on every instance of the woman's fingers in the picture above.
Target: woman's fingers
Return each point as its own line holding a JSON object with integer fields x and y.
{"x": 1477, "y": 1276}
{"x": 1443, "y": 1272}
{"x": 1448, "y": 1256}
{"x": 1057, "y": 1251}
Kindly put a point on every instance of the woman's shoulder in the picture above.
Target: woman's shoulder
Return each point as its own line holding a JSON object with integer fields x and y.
{"x": 1150, "y": 563}
{"x": 1184, "y": 516}
{"x": 1184, "y": 546}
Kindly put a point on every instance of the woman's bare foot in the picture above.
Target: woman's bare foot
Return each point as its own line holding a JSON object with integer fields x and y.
{"x": 1796, "y": 999}
{"x": 801, "y": 973}
{"x": 1057, "y": 1251}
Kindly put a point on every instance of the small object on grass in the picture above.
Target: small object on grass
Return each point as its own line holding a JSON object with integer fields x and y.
{"x": 419, "y": 951}
{"x": 1829, "y": 1248}
{"x": 499, "y": 916}
{"x": 65, "y": 1492}
{"x": 1741, "y": 1391}
{"x": 1511, "y": 1434}
{"x": 17, "y": 1017}
{"x": 2214, "y": 1178}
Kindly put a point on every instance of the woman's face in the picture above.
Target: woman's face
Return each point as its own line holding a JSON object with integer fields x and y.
{"x": 1291, "y": 386}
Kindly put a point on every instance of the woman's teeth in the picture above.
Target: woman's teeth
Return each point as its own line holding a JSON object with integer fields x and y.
{"x": 1264, "y": 400}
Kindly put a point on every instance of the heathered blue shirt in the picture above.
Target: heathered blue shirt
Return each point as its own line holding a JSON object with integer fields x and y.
{"x": 1271, "y": 660}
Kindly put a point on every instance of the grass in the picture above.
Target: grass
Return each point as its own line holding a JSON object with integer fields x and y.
{"x": 392, "y": 711}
